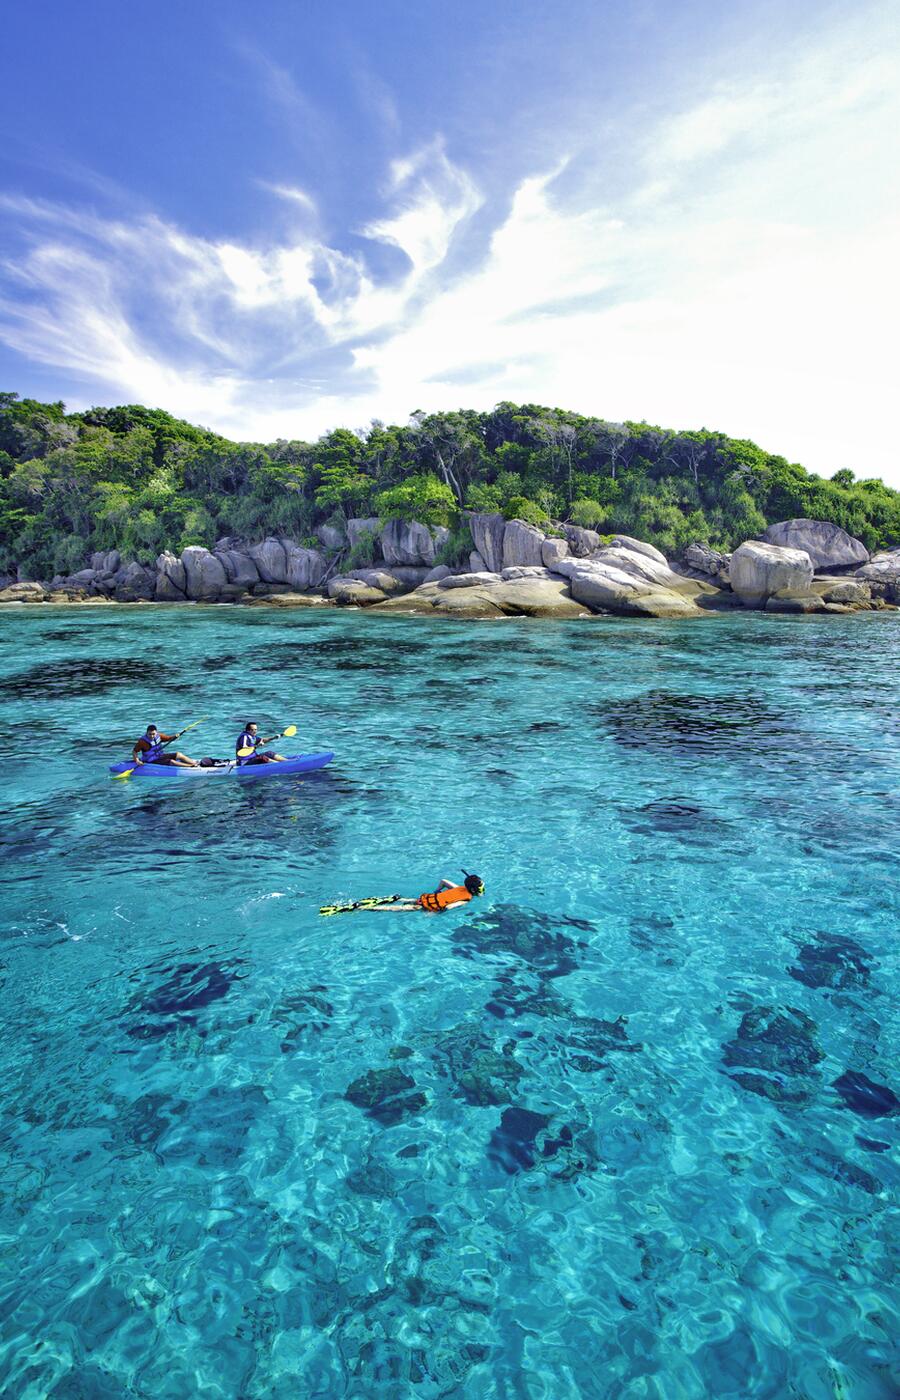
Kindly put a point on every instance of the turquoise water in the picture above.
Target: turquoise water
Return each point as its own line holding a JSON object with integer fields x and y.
{"x": 626, "y": 1128}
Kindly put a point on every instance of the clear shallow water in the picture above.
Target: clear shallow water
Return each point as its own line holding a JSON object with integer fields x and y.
{"x": 691, "y": 826}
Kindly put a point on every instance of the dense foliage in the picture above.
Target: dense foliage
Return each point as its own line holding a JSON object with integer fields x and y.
{"x": 140, "y": 481}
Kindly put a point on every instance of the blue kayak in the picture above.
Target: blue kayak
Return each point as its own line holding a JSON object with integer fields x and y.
{"x": 300, "y": 763}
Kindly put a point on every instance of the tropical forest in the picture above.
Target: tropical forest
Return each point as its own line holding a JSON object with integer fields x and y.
{"x": 140, "y": 481}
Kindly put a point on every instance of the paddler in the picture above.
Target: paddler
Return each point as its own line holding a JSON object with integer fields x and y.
{"x": 250, "y": 739}
{"x": 149, "y": 749}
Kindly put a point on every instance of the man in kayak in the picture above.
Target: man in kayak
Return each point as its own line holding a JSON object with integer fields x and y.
{"x": 149, "y": 749}
{"x": 432, "y": 902}
{"x": 250, "y": 739}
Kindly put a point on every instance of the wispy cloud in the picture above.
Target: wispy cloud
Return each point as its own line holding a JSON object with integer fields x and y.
{"x": 746, "y": 280}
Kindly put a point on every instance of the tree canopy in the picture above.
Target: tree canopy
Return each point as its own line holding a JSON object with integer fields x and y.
{"x": 140, "y": 481}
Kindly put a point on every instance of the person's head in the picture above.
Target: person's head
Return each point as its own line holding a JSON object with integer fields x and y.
{"x": 252, "y": 727}
{"x": 474, "y": 884}
{"x": 152, "y": 731}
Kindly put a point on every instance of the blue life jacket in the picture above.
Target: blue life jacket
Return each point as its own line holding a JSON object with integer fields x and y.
{"x": 153, "y": 752}
{"x": 247, "y": 741}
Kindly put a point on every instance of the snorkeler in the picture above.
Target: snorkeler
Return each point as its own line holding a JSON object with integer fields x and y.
{"x": 432, "y": 902}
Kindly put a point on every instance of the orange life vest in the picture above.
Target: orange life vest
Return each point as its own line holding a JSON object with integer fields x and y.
{"x": 434, "y": 902}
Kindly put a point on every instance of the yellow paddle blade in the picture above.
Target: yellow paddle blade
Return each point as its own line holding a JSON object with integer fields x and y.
{"x": 245, "y": 753}
{"x": 127, "y": 774}
{"x": 289, "y": 732}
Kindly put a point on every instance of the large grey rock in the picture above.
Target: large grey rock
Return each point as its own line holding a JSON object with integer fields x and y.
{"x": 107, "y": 561}
{"x": 331, "y": 537}
{"x": 521, "y": 545}
{"x": 290, "y": 600}
{"x": 354, "y": 592}
{"x": 204, "y": 574}
{"x": 787, "y": 602}
{"x": 171, "y": 579}
{"x": 643, "y": 568}
{"x": 370, "y": 525}
{"x": 638, "y": 547}
{"x": 491, "y": 597}
{"x": 581, "y": 542}
{"x": 758, "y": 570}
{"x": 704, "y": 560}
{"x": 533, "y": 596}
{"x": 305, "y": 568}
{"x": 480, "y": 580}
{"x": 408, "y": 542}
{"x": 849, "y": 591}
{"x": 525, "y": 571}
{"x": 385, "y": 580}
{"x": 882, "y": 574}
{"x": 828, "y": 546}
{"x": 26, "y": 591}
{"x": 552, "y": 550}
{"x": 487, "y": 535}
{"x": 437, "y": 573}
{"x": 135, "y": 583}
{"x": 270, "y": 559}
{"x": 620, "y": 579}
{"x": 604, "y": 587}
{"x": 476, "y": 563}
{"x": 239, "y": 567}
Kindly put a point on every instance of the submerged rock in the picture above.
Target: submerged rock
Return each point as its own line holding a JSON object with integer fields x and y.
{"x": 513, "y": 1145}
{"x": 865, "y": 1097}
{"x": 381, "y": 1093}
{"x": 481, "y": 1074}
{"x": 525, "y": 1140}
{"x": 534, "y": 938}
{"x": 778, "y": 1039}
{"x": 832, "y": 961}
{"x": 592, "y": 1038}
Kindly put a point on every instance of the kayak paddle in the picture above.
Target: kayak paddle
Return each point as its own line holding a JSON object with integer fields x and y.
{"x": 285, "y": 734}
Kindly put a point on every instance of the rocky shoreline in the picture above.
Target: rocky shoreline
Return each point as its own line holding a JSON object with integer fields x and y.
{"x": 515, "y": 569}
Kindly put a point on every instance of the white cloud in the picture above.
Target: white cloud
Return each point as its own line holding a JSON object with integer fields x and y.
{"x": 292, "y": 193}
{"x": 436, "y": 196}
{"x": 746, "y": 282}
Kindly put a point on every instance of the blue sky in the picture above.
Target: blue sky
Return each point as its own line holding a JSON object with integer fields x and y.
{"x": 276, "y": 218}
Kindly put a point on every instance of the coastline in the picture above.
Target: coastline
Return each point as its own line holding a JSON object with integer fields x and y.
{"x": 515, "y": 569}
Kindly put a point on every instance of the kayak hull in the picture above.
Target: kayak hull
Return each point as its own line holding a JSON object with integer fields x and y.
{"x": 300, "y": 763}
